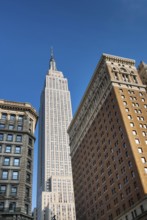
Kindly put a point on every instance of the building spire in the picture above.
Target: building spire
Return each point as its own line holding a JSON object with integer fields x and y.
{"x": 52, "y": 65}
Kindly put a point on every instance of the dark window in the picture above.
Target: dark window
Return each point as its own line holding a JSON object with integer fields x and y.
{"x": 2, "y": 125}
{"x": 30, "y": 141}
{"x": 13, "y": 190}
{"x": 26, "y": 208}
{"x": 1, "y": 137}
{"x": 4, "y": 175}
{"x": 17, "y": 149}
{"x": 27, "y": 192}
{"x": 12, "y": 206}
{"x": 4, "y": 115}
{"x": 1, "y": 206}
{"x": 28, "y": 177}
{"x": 6, "y": 161}
{"x": 8, "y": 149}
{"x": 142, "y": 208}
{"x": 29, "y": 164}
{"x": 29, "y": 152}
{"x": 11, "y": 127}
{"x": 19, "y": 138}
{"x": 2, "y": 189}
{"x": 9, "y": 137}
{"x": 16, "y": 162}
{"x": 0, "y": 148}
{"x": 12, "y": 117}
{"x": 15, "y": 175}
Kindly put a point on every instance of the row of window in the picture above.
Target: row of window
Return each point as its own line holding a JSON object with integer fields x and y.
{"x": 10, "y": 137}
{"x": 8, "y": 149}
{"x": 11, "y": 117}
{"x": 14, "y": 175}
{"x": 12, "y": 207}
{"x": 6, "y": 161}
{"x": 13, "y": 190}
{"x": 11, "y": 127}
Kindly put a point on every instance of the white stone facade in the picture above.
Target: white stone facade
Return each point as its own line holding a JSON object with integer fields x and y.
{"x": 55, "y": 185}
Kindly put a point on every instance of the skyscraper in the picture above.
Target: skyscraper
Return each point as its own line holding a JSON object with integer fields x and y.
{"x": 17, "y": 126}
{"x": 55, "y": 186}
{"x": 108, "y": 139}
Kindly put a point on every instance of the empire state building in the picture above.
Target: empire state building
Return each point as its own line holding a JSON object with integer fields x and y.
{"x": 55, "y": 197}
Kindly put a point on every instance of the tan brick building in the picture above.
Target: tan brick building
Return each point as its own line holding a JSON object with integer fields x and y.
{"x": 142, "y": 70}
{"x": 17, "y": 127}
{"x": 108, "y": 140}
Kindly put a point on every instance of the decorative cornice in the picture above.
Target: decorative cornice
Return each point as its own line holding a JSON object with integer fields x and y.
{"x": 18, "y": 106}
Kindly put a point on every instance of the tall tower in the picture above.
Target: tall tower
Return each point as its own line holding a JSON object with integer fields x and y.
{"x": 55, "y": 186}
{"x": 108, "y": 139}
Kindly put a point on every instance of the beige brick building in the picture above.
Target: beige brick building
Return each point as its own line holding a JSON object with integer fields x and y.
{"x": 17, "y": 127}
{"x": 142, "y": 70}
{"x": 108, "y": 140}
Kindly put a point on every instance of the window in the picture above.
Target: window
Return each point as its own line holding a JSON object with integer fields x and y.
{"x": 15, "y": 175}
{"x": 30, "y": 141}
{"x": 29, "y": 164}
{"x": 1, "y": 136}
{"x": 6, "y": 161}
{"x": 13, "y": 190}
{"x": 143, "y": 159}
{"x": 19, "y": 138}
{"x": 142, "y": 118}
{"x": 145, "y": 169}
{"x": 4, "y": 116}
{"x": 28, "y": 177}
{"x": 2, "y": 125}
{"x": 143, "y": 100}
{"x": 16, "y": 162}
{"x": 1, "y": 206}
{"x": 131, "y": 124}
{"x": 137, "y": 141}
{"x": 9, "y": 137}
{"x": 143, "y": 133}
{"x": 122, "y": 96}
{"x": 12, "y": 206}
{"x": 20, "y": 117}
{"x": 29, "y": 152}
{"x": 134, "y": 132}
{"x": 17, "y": 150}
{"x": 129, "y": 117}
{"x": 3, "y": 189}
{"x": 145, "y": 106}
{"x": 0, "y": 148}
{"x": 141, "y": 125}
{"x": 11, "y": 127}
{"x": 140, "y": 151}
{"x": 19, "y": 128}
{"x": 125, "y": 103}
{"x": 145, "y": 126}
{"x": 12, "y": 117}
{"x": 4, "y": 175}
{"x": 27, "y": 192}
{"x": 8, "y": 149}
{"x": 26, "y": 208}
{"x": 127, "y": 110}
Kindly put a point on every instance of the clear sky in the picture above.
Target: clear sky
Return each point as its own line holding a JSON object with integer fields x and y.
{"x": 78, "y": 30}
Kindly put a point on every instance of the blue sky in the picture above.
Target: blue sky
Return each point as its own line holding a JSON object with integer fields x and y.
{"x": 79, "y": 31}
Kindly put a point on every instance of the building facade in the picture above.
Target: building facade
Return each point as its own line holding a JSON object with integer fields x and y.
{"x": 108, "y": 140}
{"x": 55, "y": 185}
{"x": 17, "y": 127}
{"x": 142, "y": 70}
